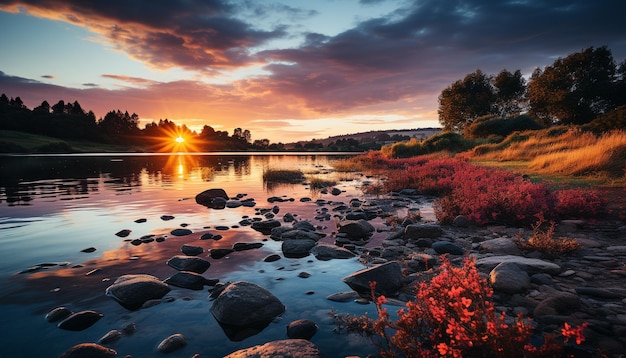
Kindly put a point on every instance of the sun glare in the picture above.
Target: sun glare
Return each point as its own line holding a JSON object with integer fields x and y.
{"x": 179, "y": 139}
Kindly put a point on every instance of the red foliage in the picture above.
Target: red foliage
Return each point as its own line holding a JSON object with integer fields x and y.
{"x": 486, "y": 195}
{"x": 453, "y": 316}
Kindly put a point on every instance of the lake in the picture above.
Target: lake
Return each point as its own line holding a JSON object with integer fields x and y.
{"x": 53, "y": 207}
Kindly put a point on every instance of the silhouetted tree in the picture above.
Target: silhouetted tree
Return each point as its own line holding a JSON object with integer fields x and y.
{"x": 59, "y": 108}
{"x": 575, "y": 89}
{"x": 465, "y": 100}
{"x": 510, "y": 91}
{"x": 44, "y": 107}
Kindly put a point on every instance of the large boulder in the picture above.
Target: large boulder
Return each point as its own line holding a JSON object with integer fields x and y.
{"x": 297, "y": 248}
{"x": 324, "y": 251}
{"x": 288, "y": 348}
{"x": 189, "y": 263}
{"x": 244, "y": 304}
{"x": 527, "y": 264}
{"x": 357, "y": 229}
{"x": 388, "y": 278}
{"x": 508, "y": 277}
{"x": 206, "y": 197}
{"x": 132, "y": 291}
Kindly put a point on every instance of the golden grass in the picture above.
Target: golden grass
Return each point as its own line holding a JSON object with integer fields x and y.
{"x": 321, "y": 183}
{"x": 282, "y": 175}
{"x": 561, "y": 152}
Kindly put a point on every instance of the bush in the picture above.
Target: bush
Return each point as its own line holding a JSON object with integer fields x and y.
{"x": 445, "y": 142}
{"x": 491, "y": 125}
{"x": 454, "y": 316}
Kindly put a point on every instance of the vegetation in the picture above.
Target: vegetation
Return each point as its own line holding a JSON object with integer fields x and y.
{"x": 453, "y": 315}
{"x": 282, "y": 176}
{"x": 448, "y": 141}
{"x": 573, "y": 90}
{"x": 321, "y": 183}
{"x": 544, "y": 240}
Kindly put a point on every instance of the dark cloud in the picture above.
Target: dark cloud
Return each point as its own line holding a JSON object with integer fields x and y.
{"x": 48, "y": 76}
{"x": 197, "y": 35}
{"x": 423, "y": 48}
{"x": 90, "y": 84}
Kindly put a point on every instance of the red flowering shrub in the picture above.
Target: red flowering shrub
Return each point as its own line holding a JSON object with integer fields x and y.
{"x": 453, "y": 316}
{"x": 485, "y": 194}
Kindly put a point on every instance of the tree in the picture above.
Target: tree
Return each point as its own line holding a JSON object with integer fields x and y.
{"x": 465, "y": 100}
{"x": 575, "y": 89}
{"x": 59, "y": 108}
{"x": 44, "y": 107}
{"x": 118, "y": 125}
{"x": 4, "y": 99}
{"x": 510, "y": 90}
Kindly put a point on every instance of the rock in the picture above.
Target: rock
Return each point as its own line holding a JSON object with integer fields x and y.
{"x": 508, "y": 277}
{"x": 300, "y": 235}
{"x": 289, "y": 348}
{"x": 447, "y": 247}
{"x": 181, "y": 232}
{"x": 207, "y": 236}
{"x": 421, "y": 262}
{"x": 324, "y": 251}
{"x": 301, "y": 329}
{"x": 219, "y": 253}
{"x": 335, "y": 191}
{"x": 206, "y": 197}
{"x": 529, "y": 265}
{"x": 271, "y": 258}
{"x": 132, "y": 291}
{"x": 416, "y": 231}
{"x": 461, "y": 221}
{"x": 356, "y": 228}
{"x": 141, "y": 221}
{"x": 123, "y": 233}
{"x": 110, "y": 337}
{"x": 88, "y": 350}
{"x": 58, "y": 314}
{"x": 172, "y": 343}
{"x": 346, "y": 296}
{"x": 167, "y": 217}
{"x": 129, "y": 328}
{"x": 265, "y": 227}
{"x": 191, "y": 250}
{"x": 88, "y": 250}
{"x": 558, "y": 303}
{"x": 304, "y": 275}
{"x": 233, "y": 204}
{"x": 189, "y": 263}
{"x": 242, "y": 304}
{"x": 80, "y": 321}
{"x": 501, "y": 245}
{"x": 597, "y": 292}
{"x": 242, "y": 246}
{"x": 190, "y": 280}
{"x": 288, "y": 217}
{"x": 388, "y": 278}
{"x": 297, "y": 248}
{"x": 218, "y": 203}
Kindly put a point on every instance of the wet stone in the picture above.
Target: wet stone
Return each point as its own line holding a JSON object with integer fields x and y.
{"x": 181, "y": 232}
{"x": 123, "y": 233}
{"x": 190, "y": 250}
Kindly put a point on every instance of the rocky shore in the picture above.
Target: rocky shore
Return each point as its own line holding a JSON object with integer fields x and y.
{"x": 398, "y": 249}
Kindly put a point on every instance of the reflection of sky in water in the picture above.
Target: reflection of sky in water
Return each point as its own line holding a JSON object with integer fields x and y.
{"x": 53, "y": 207}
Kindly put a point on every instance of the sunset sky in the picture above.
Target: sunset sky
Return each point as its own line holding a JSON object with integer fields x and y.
{"x": 284, "y": 69}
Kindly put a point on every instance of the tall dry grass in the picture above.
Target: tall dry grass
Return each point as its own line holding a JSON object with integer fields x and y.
{"x": 569, "y": 152}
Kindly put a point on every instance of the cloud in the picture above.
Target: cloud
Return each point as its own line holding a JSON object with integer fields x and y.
{"x": 129, "y": 79}
{"x": 48, "y": 76}
{"x": 197, "y": 35}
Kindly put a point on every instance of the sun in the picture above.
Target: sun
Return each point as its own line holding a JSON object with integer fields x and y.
{"x": 179, "y": 139}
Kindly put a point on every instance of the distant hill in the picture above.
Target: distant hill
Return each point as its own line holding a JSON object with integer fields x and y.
{"x": 380, "y": 137}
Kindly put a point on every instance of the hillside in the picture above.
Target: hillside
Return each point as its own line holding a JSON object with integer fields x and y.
{"x": 380, "y": 137}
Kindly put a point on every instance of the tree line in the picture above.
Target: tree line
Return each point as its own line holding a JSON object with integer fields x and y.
{"x": 70, "y": 121}
{"x": 574, "y": 90}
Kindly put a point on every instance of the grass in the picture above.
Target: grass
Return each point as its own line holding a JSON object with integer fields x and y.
{"x": 282, "y": 175}
{"x": 321, "y": 183}
{"x": 20, "y": 142}
{"x": 544, "y": 240}
{"x": 561, "y": 152}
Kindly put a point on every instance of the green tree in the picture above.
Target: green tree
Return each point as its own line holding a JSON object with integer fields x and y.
{"x": 465, "y": 100}
{"x": 575, "y": 89}
{"x": 510, "y": 93}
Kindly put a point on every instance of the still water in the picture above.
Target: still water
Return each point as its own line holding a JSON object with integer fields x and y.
{"x": 54, "y": 207}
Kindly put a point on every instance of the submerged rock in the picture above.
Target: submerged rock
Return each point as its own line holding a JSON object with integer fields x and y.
{"x": 189, "y": 263}
{"x": 110, "y": 337}
{"x": 80, "y": 321}
{"x": 324, "y": 251}
{"x": 132, "y": 291}
{"x": 190, "y": 280}
{"x": 301, "y": 329}
{"x": 88, "y": 350}
{"x": 172, "y": 343}
{"x": 58, "y": 314}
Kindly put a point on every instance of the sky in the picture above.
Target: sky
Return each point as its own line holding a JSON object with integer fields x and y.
{"x": 286, "y": 70}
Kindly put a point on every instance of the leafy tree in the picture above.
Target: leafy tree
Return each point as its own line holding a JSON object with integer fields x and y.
{"x": 118, "y": 126}
{"x": 575, "y": 89}
{"x": 17, "y": 103}
{"x": 4, "y": 100}
{"x": 510, "y": 93}
{"x": 59, "y": 108}
{"x": 464, "y": 100}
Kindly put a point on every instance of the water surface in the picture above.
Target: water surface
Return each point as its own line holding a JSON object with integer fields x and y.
{"x": 52, "y": 207}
